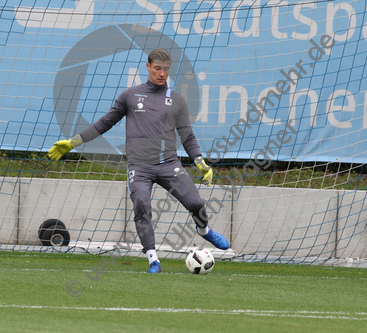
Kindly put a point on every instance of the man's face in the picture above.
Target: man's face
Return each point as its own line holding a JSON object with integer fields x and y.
{"x": 158, "y": 72}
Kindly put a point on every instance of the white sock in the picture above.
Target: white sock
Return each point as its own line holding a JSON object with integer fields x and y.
{"x": 152, "y": 256}
{"x": 203, "y": 231}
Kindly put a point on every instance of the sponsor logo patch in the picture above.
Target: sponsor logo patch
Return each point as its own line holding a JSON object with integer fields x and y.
{"x": 140, "y": 107}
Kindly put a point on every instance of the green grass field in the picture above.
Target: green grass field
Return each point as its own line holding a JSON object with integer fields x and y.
{"x": 235, "y": 297}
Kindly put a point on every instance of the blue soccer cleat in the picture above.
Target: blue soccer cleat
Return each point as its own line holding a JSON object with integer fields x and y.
{"x": 155, "y": 267}
{"x": 218, "y": 240}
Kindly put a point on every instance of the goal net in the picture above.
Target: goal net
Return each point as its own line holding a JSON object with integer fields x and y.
{"x": 276, "y": 96}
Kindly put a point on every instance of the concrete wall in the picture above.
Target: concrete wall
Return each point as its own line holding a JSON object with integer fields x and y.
{"x": 285, "y": 221}
{"x": 256, "y": 220}
{"x": 9, "y": 196}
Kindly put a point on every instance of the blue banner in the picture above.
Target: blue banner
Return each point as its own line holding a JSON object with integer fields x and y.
{"x": 280, "y": 80}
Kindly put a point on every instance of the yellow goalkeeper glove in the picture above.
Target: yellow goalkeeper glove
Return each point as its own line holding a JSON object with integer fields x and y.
{"x": 205, "y": 169}
{"x": 62, "y": 147}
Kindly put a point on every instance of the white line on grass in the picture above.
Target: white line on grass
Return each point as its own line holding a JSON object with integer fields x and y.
{"x": 294, "y": 314}
{"x": 212, "y": 274}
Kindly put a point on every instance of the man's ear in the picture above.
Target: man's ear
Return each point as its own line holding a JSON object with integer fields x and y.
{"x": 148, "y": 66}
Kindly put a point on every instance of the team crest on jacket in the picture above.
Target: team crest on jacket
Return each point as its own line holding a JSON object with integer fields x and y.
{"x": 168, "y": 101}
{"x": 178, "y": 172}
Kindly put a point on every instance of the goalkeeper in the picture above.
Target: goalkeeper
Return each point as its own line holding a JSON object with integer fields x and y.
{"x": 153, "y": 112}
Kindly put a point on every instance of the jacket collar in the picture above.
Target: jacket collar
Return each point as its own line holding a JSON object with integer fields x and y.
{"x": 154, "y": 87}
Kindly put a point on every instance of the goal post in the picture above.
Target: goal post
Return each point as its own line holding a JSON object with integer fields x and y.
{"x": 276, "y": 96}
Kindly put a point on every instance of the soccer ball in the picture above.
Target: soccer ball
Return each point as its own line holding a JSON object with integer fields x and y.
{"x": 200, "y": 261}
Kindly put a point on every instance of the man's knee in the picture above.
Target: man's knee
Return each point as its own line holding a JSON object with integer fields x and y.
{"x": 142, "y": 207}
{"x": 196, "y": 207}
{"x": 199, "y": 214}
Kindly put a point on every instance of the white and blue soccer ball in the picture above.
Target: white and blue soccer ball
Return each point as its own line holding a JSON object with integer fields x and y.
{"x": 200, "y": 261}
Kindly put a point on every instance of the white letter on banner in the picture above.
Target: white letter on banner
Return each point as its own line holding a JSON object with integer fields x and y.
{"x": 352, "y": 21}
{"x": 159, "y": 18}
{"x": 64, "y": 18}
{"x": 293, "y": 97}
{"x": 275, "y": 20}
{"x": 306, "y": 20}
{"x": 223, "y": 94}
{"x": 255, "y": 27}
{"x": 205, "y": 16}
{"x": 364, "y": 30}
{"x": 330, "y": 107}
{"x": 177, "y": 17}
{"x": 312, "y": 95}
{"x": 203, "y": 113}
{"x": 133, "y": 77}
{"x": 264, "y": 95}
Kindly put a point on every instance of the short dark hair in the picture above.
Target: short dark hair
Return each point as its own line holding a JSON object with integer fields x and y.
{"x": 159, "y": 54}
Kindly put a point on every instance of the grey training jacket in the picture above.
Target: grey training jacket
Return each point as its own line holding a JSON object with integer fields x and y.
{"x": 152, "y": 114}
